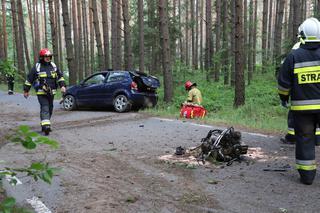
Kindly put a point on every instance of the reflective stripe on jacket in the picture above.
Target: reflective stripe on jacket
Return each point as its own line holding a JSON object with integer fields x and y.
{"x": 299, "y": 78}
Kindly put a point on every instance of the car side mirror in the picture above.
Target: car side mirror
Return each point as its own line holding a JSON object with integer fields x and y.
{"x": 82, "y": 83}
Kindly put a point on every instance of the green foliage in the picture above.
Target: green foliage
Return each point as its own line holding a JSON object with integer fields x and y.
{"x": 7, "y": 68}
{"x": 37, "y": 170}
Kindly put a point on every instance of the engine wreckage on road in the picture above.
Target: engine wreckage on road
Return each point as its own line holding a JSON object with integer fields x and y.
{"x": 218, "y": 145}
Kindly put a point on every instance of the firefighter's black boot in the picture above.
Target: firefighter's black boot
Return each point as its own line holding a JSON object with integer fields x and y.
{"x": 46, "y": 129}
{"x": 307, "y": 177}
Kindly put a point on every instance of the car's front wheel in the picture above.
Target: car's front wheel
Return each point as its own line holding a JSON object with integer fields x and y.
{"x": 69, "y": 103}
{"x": 121, "y": 103}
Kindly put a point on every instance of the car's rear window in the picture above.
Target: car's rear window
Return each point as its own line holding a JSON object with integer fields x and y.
{"x": 116, "y": 76}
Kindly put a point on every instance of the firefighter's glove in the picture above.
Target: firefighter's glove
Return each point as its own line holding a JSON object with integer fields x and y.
{"x": 285, "y": 104}
{"x": 63, "y": 89}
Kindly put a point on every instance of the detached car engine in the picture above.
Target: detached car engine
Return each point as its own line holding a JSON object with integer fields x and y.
{"x": 222, "y": 145}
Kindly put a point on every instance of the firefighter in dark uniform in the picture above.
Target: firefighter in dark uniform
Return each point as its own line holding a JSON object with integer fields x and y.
{"x": 45, "y": 77}
{"x": 299, "y": 79}
{"x": 10, "y": 82}
{"x": 290, "y": 136}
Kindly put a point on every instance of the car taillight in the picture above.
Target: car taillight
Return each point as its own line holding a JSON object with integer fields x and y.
{"x": 134, "y": 85}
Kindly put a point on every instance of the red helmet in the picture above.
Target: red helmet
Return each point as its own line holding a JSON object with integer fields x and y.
{"x": 45, "y": 52}
{"x": 188, "y": 85}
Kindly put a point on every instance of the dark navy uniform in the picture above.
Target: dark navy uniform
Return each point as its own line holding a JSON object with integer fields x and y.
{"x": 299, "y": 78}
{"x": 45, "y": 77}
{"x": 10, "y": 82}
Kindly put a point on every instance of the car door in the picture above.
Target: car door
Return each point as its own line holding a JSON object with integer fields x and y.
{"x": 116, "y": 81}
{"x": 91, "y": 91}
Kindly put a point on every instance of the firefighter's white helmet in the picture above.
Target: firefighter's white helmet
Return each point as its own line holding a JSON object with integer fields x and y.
{"x": 309, "y": 30}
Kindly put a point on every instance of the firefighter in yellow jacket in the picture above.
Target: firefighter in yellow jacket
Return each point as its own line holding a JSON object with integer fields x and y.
{"x": 194, "y": 94}
{"x": 299, "y": 79}
{"x": 45, "y": 77}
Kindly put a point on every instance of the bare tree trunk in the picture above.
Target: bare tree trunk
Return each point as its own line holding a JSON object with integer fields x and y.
{"x": 127, "y": 36}
{"x": 239, "y": 98}
{"x": 69, "y": 44}
{"x": 4, "y": 29}
{"x": 180, "y": 38}
{"x": 75, "y": 37}
{"x": 245, "y": 35}
{"x": 44, "y": 18}
{"x": 98, "y": 34}
{"x": 193, "y": 43}
{"x": 218, "y": 40}
{"x": 278, "y": 33}
{"x": 23, "y": 37}
{"x": 264, "y": 35}
{"x": 232, "y": 59}
{"x": 1, "y": 35}
{"x": 106, "y": 45}
{"x": 201, "y": 35}
{"x": 166, "y": 65}
{"x": 80, "y": 42}
{"x": 251, "y": 31}
{"x": 91, "y": 27}
{"x": 36, "y": 29}
{"x": 255, "y": 22}
{"x": 86, "y": 38}
{"x": 209, "y": 40}
{"x": 119, "y": 47}
{"x": 114, "y": 35}
{"x": 54, "y": 33}
{"x": 141, "y": 35}
{"x": 59, "y": 34}
{"x": 225, "y": 55}
{"x": 187, "y": 34}
{"x": 270, "y": 47}
{"x": 197, "y": 35}
{"x": 18, "y": 43}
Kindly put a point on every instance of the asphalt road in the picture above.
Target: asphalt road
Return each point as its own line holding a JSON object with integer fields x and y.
{"x": 123, "y": 162}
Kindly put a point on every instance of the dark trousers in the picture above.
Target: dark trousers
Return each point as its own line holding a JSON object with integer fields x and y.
{"x": 46, "y": 108}
{"x": 305, "y": 126}
{"x": 10, "y": 81}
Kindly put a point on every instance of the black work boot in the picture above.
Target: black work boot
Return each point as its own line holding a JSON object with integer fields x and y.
{"x": 307, "y": 177}
{"x": 46, "y": 129}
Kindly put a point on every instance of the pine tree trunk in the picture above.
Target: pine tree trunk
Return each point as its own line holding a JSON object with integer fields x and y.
{"x": 250, "y": 53}
{"x": 4, "y": 29}
{"x": 209, "y": 40}
{"x": 141, "y": 35}
{"x": 17, "y": 39}
{"x": 218, "y": 40}
{"x": 245, "y": 35}
{"x": 193, "y": 42}
{"x": 270, "y": 37}
{"x": 119, "y": 29}
{"x": 278, "y": 33}
{"x": 58, "y": 13}
{"x": 232, "y": 58}
{"x": 80, "y": 42}
{"x": 75, "y": 37}
{"x": 44, "y": 18}
{"x": 127, "y": 36}
{"x": 114, "y": 34}
{"x": 36, "y": 29}
{"x": 166, "y": 59}
{"x": 54, "y": 33}
{"x": 239, "y": 98}
{"x": 69, "y": 44}
{"x": 23, "y": 37}
{"x": 1, "y": 35}
{"x": 201, "y": 35}
{"x": 86, "y": 38}
{"x": 255, "y": 22}
{"x": 106, "y": 45}
{"x": 91, "y": 27}
{"x": 98, "y": 34}
{"x": 187, "y": 34}
{"x": 225, "y": 55}
{"x": 264, "y": 35}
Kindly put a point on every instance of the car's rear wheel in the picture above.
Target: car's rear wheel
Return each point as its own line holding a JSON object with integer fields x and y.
{"x": 121, "y": 103}
{"x": 69, "y": 103}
